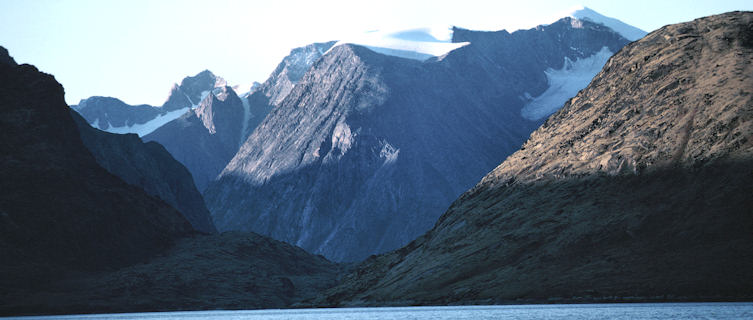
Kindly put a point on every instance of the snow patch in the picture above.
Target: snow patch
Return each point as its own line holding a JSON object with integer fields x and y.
{"x": 143, "y": 129}
{"x": 565, "y": 84}
{"x": 388, "y": 153}
{"x": 576, "y": 24}
{"x": 417, "y": 44}
{"x": 204, "y": 95}
{"x": 246, "y": 116}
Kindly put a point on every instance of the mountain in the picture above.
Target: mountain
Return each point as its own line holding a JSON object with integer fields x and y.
{"x": 112, "y": 115}
{"x": 367, "y": 150}
{"x": 629, "y": 32}
{"x": 75, "y": 238}
{"x": 205, "y": 139}
{"x": 637, "y": 189}
{"x": 150, "y": 167}
{"x": 59, "y": 210}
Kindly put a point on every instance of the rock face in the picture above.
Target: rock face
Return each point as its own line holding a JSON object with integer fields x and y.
{"x": 228, "y": 271}
{"x": 291, "y": 70}
{"x": 59, "y": 210}
{"x": 367, "y": 150}
{"x": 112, "y": 115}
{"x": 639, "y": 187}
{"x": 150, "y": 167}
{"x": 206, "y": 139}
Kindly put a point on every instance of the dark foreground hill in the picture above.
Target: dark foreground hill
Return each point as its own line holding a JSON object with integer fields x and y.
{"x": 638, "y": 188}
{"x": 232, "y": 270}
{"x": 75, "y": 238}
{"x": 59, "y": 210}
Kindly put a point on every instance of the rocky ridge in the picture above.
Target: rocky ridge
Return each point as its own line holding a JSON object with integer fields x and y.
{"x": 150, "y": 167}
{"x": 205, "y": 139}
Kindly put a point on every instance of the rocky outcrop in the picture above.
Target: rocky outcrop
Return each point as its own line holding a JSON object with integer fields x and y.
{"x": 637, "y": 189}
{"x": 206, "y": 138}
{"x": 367, "y": 150}
{"x": 59, "y": 210}
{"x": 150, "y": 167}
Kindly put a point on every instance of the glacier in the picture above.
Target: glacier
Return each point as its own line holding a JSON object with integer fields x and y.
{"x": 143, "y": 129}
{"x": 564, "y": 84}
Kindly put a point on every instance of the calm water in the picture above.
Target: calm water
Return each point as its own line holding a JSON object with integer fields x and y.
{"x": 562, "y": 311}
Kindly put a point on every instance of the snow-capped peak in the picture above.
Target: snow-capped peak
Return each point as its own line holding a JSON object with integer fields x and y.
{"x": 629, "y": 32}
{"x": 417, "y": 43}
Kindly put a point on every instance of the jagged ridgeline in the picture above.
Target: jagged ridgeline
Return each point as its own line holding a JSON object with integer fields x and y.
{"x": 205, "y": 138}
{"x": 638, "y": 188}
{"x": 367, "y": 150}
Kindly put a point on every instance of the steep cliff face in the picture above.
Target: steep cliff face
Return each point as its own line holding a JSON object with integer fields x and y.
{"x": 59, "y": 210}
{"x": 205, "y": 139}
{"x": 266, "y": 96}
{"x": 367, "y": 150}
{"x": 290, "y": 70}
{"x": 638, "y": 188}
{"x": 150, "y": 167}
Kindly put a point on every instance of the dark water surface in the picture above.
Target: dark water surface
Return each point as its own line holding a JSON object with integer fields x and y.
{"x": 557, "y": 311}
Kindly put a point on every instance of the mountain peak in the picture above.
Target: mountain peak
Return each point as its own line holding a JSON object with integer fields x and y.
{"x": 629, "y": 32}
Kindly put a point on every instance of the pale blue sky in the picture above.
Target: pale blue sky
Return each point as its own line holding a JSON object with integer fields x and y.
{"x": 135, "y": 50}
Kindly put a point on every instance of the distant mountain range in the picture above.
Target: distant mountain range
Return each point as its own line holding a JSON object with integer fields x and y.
{"x": 115, "y": 116}
{"x": 368, "y": 149}
{"x": 364, "y": 164}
